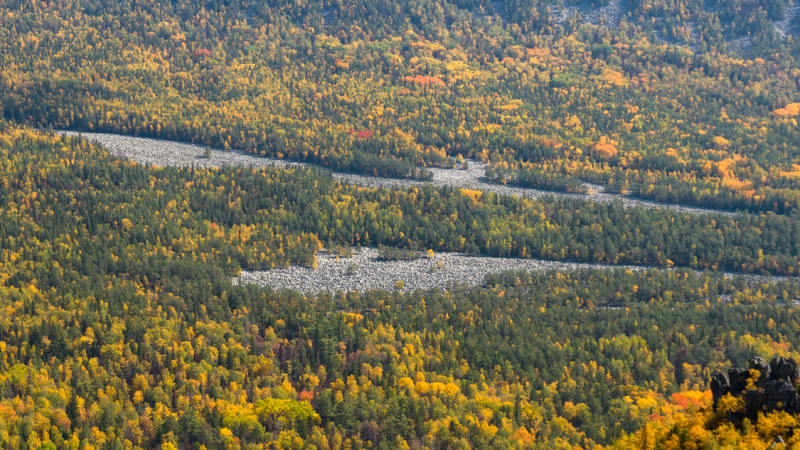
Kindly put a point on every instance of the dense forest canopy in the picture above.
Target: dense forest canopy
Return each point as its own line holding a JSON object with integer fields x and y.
{"x": 391, "y": 87}
{"x": 121, "y": 327}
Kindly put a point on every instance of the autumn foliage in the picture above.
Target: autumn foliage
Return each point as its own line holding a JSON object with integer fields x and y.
{"x": 142, "y": 339}
{"x": 424, "y": 80}
{"x": 121, "y": 327}
{"x": 290, "y": 80}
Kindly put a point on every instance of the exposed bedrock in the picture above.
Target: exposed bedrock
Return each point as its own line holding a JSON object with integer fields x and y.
{"x": 764, "y": 387}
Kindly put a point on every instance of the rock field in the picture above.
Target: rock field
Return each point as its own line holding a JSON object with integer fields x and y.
{"x": 168, "y": 153}
{"x": 364, "y": 271}
{"x": 787, "y": 25}
{"x": 369, "y": 273}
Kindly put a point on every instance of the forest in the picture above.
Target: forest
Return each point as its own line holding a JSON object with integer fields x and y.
{"x": 388, "y": 88}
{"x": 122, "y": 328}
{"x": 282, "y": 216}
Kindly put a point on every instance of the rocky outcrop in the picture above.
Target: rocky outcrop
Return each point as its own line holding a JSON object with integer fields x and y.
{"x": 778, "y": 394}
{"x": 765, "y": 387}
{"x": 738, "y": 379}
{"x": 720, "y": 386}
{"x": 763, "y": 369}
{"x": 785, "y": 369}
